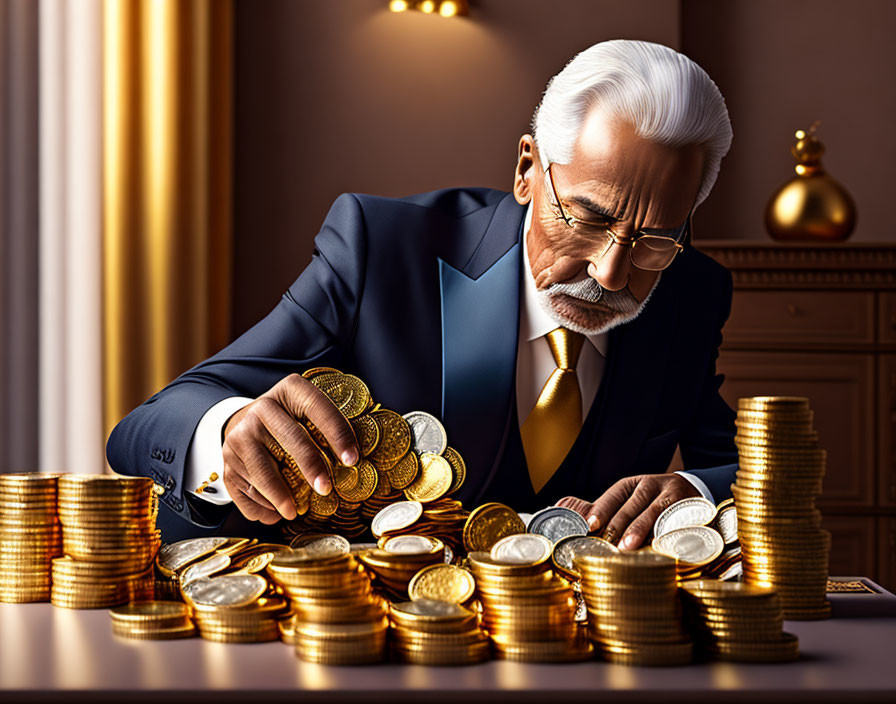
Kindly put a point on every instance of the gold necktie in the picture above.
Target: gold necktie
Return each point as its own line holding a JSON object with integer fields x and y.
{"x": 554, "y": 423}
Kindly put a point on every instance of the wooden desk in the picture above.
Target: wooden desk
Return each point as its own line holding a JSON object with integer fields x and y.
{"x": 49, "y": 654}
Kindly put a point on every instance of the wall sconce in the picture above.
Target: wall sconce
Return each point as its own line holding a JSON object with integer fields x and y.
{"x": 446, "y": 8}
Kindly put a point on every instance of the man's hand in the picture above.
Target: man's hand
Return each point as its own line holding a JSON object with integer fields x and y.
{"x": 250, "y": 471}
{"x": 630, "y": 507}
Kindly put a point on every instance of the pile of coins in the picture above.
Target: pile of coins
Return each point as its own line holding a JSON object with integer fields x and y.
{"x": 443, "y": 520}
{"x": 397, "y": 559}
{"x": 780, "y": 473}
{"x": 30, "y": 536}
{"x": 233, "y": 608}
{"x": 338, "y": 619}
{"x": 736, "y": 621}
{"x": 109, "y": 541}
{"x": 433, "y": 632}
{"x": 401, "y": 456}
{"x": 634, "y": 612}
{"x": 689, "y": 530}
{"x": 527, "y": 611}
{"x": 152, "y": 620}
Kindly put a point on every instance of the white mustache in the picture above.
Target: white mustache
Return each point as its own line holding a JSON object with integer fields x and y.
{"x": 592, "y": 292}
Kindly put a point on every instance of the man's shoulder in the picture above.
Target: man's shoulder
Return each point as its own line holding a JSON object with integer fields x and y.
{"x": 701, "y": 272}
{"x": 445, "y": 202}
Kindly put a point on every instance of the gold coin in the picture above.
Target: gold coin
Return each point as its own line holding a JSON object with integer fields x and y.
{"x": 458, "y": 468}
{"x": 395, "y": 438}
{"x": 405, "y": 471}
{"x": 367, "y": 433}
{"x": 324, "y": 505}
{"x": 433, "y": 481}
{"x": 488, "y": 524}
{"x": 347, "y": 392}
{"x": 442, "y": 583}
{"x": 317, "y": 371}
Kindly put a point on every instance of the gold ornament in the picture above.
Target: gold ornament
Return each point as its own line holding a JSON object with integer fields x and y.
{"x": 811, "y": 206}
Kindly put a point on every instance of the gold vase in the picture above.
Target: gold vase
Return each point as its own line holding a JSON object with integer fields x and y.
{"x": 811, "y": 206}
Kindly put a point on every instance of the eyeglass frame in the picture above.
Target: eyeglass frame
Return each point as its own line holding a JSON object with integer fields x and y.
{"x": 570, "y": 221}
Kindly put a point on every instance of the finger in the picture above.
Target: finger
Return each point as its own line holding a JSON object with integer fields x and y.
{"x": 304, "y": 400}
{"x": 605, "y": 507}
{"x": 641, "y": 526}
{"x": 253, "y": 472}
{"x": 265, "y": 478}
{"x": 642, "y": 497}
{"x": 254, "y": 511}
{"x": 578, "y": 505}
{"x": 282, "y": 428}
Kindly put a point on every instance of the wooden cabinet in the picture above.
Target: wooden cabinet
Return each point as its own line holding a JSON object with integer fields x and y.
{"x": 820, "y": 321}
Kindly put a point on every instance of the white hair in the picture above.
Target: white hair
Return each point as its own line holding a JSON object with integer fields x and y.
{"x": 662, "y": 94}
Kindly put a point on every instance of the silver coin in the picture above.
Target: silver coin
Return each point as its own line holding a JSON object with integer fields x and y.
{"x": 698, "y": 545}
{"x": 568, "y": 549}
{"x": 522, "y": 549}
{"x": 557, "y": 522}
{"x": 205, "y": 568}
{"x": 727, "y": 524}
{"x": 733, "y": 573}
{"x": 362, "y": 547}
{"x": 693, "y": 511}
{"x": 411, "y": 545}
{"x": 227, "y": 590}
{"x": 396, "y": 516}
{"x": 427, "y": 432}
{"x": 320, "y": 545}
{"x": 176, "y": 556}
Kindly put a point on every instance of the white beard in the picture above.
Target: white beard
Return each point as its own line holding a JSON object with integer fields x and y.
{"x": 614, "y": 308}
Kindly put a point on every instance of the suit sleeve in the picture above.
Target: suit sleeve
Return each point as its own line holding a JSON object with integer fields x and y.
{"x": 707, "y": 442}
{"x": 312, "y": 325}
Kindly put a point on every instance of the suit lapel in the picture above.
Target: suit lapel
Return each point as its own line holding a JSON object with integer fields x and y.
{"x": 480, "y": 321}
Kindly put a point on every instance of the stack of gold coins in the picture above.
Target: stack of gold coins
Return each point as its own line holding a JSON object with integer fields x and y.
{"x": 634, "y": 612}
{"x": 109, "y": 540}
{"x": 432, "y": 632}
{"x": 338, "y": 619}
{"x": 235, "y": 608}
{"x": 780, "y": 473}
{"x": 152, "y": 620}
{"x": 694, "y": 548}
{"x": 443, "y": 520}
{"x": 527, "y": 611}
{"x": 395, "y": 562}
{"x": 30, "y": 536}
{"x": 736, "y": 621}
{"x": 401, "y": 457}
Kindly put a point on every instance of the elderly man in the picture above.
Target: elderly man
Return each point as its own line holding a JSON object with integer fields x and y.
{"x": 565, "y": 333}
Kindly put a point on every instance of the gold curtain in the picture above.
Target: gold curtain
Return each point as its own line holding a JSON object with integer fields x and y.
{"x": 166, "y": 192}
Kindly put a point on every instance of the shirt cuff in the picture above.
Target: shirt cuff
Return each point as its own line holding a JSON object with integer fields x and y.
{"x": 205, "y": 463}
{"x": 699, "y": 485}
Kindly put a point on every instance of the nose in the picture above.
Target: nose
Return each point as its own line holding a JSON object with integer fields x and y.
{"x": 613, "y": 269}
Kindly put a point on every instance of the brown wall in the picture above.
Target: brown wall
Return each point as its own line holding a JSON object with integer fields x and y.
{"x": 343, "y": 95}
{"x": 781, "y": 64}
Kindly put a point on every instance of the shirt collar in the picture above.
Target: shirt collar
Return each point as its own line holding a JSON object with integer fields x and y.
{"x": 534, "y": 320}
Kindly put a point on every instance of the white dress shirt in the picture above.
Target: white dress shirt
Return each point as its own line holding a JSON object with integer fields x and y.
{"x": 535, "y": 364}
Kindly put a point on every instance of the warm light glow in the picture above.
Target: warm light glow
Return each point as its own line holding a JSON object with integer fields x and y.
{"x": 448, "y": 8}
{"x": 427, "y": 6}
{"x": 398, "y": 5}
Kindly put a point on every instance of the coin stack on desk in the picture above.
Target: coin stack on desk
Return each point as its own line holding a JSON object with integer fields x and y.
{"x": 779, "y": 476}
{"x": 109, "y": 541}
{"x": 338, "y": 620}
{"x": 443, "y": 520}
{"x": 398, "y": 559}
{"x": 527, "y": 611}
{"x": 404, "y": 457}
{"x": 152, "y": 620}
{"x": 30, "y": 536}
{"x": 433, "y": 632}
{"x": 736, "y": 621}
{"x": 634, "y": 613}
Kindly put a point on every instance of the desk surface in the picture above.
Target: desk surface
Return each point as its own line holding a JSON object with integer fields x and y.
{"x": 48, "y": 653}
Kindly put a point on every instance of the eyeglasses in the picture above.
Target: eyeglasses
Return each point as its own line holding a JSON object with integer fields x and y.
{"x": 650, "y": 252}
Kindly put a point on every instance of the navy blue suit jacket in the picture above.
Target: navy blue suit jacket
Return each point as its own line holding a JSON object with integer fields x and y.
{"x": 419, "y": 296}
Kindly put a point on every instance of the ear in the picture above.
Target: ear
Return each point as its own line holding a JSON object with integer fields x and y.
{"x": 524, "y": 178}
